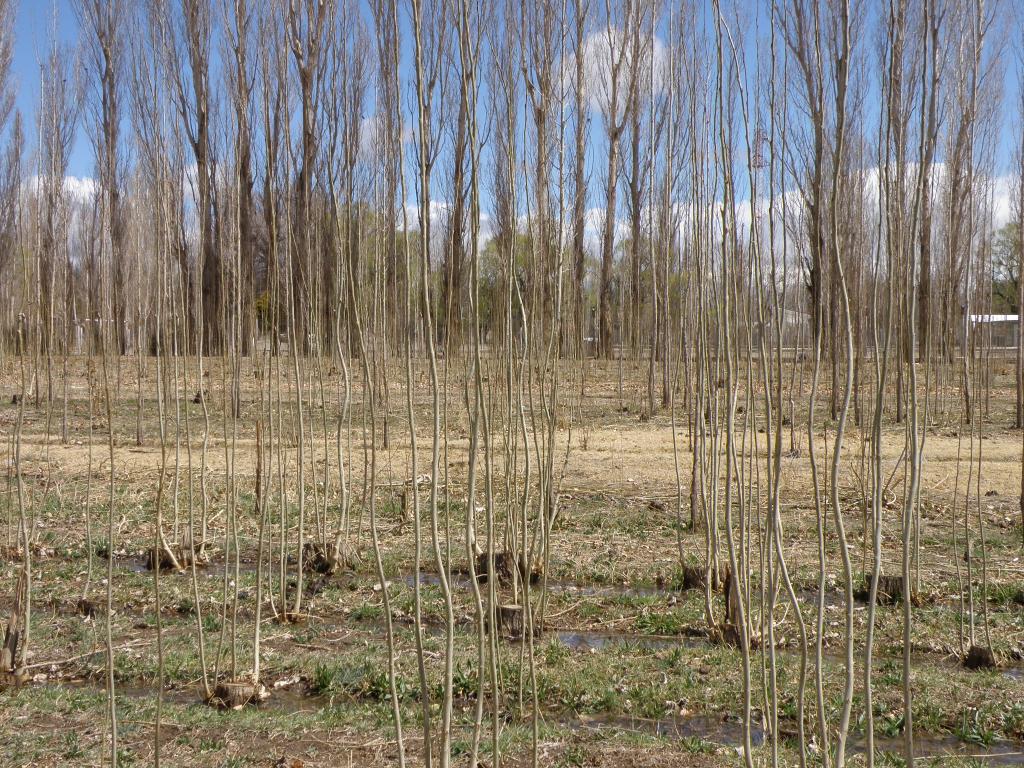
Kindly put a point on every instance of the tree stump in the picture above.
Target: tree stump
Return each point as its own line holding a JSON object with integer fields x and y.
{"x": 320, "y": 559}
{"x": 511, "y": 621}
{"x": 14, "y": 631}
{"x": 731, "y": 635}
{"x": 405, "y": 505}
{"x": 317, "y": 559}
{"x": 86, "y": 608}
{"x": 979, "y": 657}
{"x": 732, "y": 598}
{"x": 506, "y": 566}
{"x": 166, "y": 559}
{"x": 14, "y": 679}
{"x": 235, "y": 694}
{"x": 890, "y": 590}
{"x": 696, "y": 576}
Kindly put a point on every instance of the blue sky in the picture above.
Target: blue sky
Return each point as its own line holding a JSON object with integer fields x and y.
{"x": 35, "y": 18}
{"x": 32, "y": 25}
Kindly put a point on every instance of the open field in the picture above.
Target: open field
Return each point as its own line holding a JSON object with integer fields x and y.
{"x": 627, "y": 669}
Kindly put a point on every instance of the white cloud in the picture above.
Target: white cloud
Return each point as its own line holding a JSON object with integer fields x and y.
{"x": 606, "y": 45}
{"x": 373, "y": 136}
{"x": 593, "y": 228}
{"x": 79, "y": 189}
{"x": 1002, "y": 200}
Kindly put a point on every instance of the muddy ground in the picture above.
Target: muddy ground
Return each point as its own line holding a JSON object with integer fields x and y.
{"x": 627, "y": 671}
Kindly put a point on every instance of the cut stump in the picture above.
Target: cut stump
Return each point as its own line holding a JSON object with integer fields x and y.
{"x": 979, "y": 657}
{"x": 890, "y": 590}
{"x": 235, "y": 694}
{"x": 511, "y": 621}
{"x": 166, "y": 559}
{"x": 14, "y": 679}
{"x": 507, "y": 566}
{"x": 696, "y": 576}
{"x": 319, "y": 559}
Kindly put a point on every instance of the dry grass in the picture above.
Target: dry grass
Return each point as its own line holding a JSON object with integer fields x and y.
{"x": 618, "y": 526}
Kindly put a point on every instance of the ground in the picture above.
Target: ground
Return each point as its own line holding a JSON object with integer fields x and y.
{"x": 627, "y": 672}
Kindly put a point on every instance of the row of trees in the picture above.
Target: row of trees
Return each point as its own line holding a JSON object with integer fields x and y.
{"x": 250, "y": 112}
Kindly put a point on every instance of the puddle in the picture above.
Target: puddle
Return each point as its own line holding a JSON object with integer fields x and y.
{"x": 721, "y": 731}
{"x": 585, "y": 640}
{"x": 588, "y": 640}
{"x": 728, "y": 732}
{"x": 575, "y": 639}
{"x": 430, "y": 579}
{"x": 136, "y": 690}
{"x": 554, "y": 586}
{"x": 290, "y": 699}
{"x": 133, "y": 564}
{"x": 598, "y": 590}
{"x": 929, "y": 747}
{"x": 582, "y": 640}
{"x": 138, "y": 564}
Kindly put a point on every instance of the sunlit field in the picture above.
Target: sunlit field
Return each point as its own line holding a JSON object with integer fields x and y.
{"x": 630, "y": 657}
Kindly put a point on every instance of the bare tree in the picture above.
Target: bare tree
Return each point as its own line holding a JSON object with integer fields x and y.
{"x": 184, "y": 34}
{"x": 58, "y": 115}
{"x": 104, "y": 25}
{"x": 239, "y": 34}
{"x": 613, "y": 51}
{"x": 581, "y": 134}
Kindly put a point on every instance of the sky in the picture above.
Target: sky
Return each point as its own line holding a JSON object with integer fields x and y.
{"x": 33, "y": 22}
{"x": 35, "y": 19}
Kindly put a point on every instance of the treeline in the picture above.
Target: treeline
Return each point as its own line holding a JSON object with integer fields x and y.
{"x": 302, "y": 169}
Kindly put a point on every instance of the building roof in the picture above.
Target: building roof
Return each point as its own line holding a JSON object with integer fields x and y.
{"x": 994, "y": 318}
